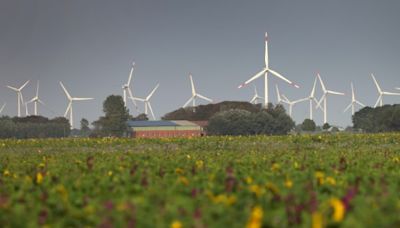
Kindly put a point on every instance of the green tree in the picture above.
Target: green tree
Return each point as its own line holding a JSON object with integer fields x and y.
{"x": 308, "y": 125}
{"x": 116, "y": 116}
{"x": 326, "y": 126}
{"x": 85, "y": 130}
{"x": 232, "y": 122}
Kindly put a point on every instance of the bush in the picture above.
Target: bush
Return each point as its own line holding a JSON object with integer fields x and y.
{"x": 308, "y": 125}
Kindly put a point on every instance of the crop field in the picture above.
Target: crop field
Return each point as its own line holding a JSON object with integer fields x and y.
{"x": 305, "y": 181}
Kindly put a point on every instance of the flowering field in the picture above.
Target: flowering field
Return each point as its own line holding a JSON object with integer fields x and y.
{"x": 308, "y": 181}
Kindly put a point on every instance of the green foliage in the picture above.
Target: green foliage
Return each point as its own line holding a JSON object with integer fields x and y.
{"x": 114, "y": 121}
{"x": 141, "y": 116}
{"x": 205, "y": 112}
{"x": 326, "y": 126}
{"x": 33, "y": 127}
{"x": 201, "y": 182}
{"x": 380, "y": 119}
{"x": 308, "y": 125}
{"x": 270, "y": 121}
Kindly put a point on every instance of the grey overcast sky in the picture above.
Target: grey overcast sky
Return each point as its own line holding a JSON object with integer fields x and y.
{"x": 89, "y": 45}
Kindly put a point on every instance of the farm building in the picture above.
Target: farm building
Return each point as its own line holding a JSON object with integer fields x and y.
{"x": 161, "y": 129}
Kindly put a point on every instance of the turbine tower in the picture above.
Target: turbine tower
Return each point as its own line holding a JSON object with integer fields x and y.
{"x": 69, "y": 109}
{"x": 2, "y": 108}
{"x": 265, "y": 72}
{"x": 126, "y": 88}
{"x": 256, "y": 97}
{"x": 19, "y": 96}
{"x": 195, "y": 95}
{"x": 146, "y": 101}
{"x": 35, "y": 100}
{"x": 354, "y": 101}
{"x": 325, "y": 96}
{"x": 381, "y": 93}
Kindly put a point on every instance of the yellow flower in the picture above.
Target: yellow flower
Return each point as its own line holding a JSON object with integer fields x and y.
{"x": 176, "y": 224}
{"x": 6, "y": 173}
{"x": 320, "y": 177}
{"x": 256, "y": 216}
{"x": 288, "y": 183}
{"x": 271, "y": 187}
{"x": 275, "y": 167}
{"x": 249, "y": 180}
{"x": 110, "y": 173}
{"x": 39, "y": 178}
{"x": 338, "y": 209}
{"x": 183, "y": 180}
{"x": 256, "y": 189}
{"x": 199, "y": 164}
{"x": 331, "y": 181}
{"x": 179, "y": 171}
{"x": 317, "y": 220}
{"x": 60, "y": 189}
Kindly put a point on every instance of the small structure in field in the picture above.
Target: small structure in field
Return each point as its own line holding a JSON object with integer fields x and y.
{"x": 165, "y": 129}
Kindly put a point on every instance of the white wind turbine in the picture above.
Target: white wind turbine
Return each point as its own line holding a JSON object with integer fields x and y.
{"x": 292, "y": 103}
{"x": 278, "y": 96}
{"x": 69, "y": 107}
{"x": 398, "y": 88}
{"x": 146, "y": 101}
{"x": 265, "y": 72}
{"x": 19, "y": 96}
{"x": 126, "y": 87}
{"x": 195, "y": 95}
{"x": 325, "y": 96}
{"x": 354, "y": 101}
{"x": 35, "y": 100}
{"x": 256, "y": 97}
{"x": 2, "y": 108}
{"x": 381, "y": 93}
{"x": 312, "y": 99}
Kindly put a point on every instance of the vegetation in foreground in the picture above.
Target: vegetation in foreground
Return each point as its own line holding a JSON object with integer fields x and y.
{"x": 310, "y": 180}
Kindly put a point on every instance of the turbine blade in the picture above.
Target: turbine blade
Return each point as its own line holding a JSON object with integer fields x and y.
{"x": 65, "y": 91}
{"x": 313, "y": 88}
{"x": 2, "y": 108}
{"x": 151, "y": 110}
{"x": 300, "y": 100}
{"x": 286, "y": 99}
{"x": 37, "y": 89}
{"x": 377, "y": 101}
{"x": 192, "y": 84}
{"x": 361, "y": 104}
{"x": 188, "y": 102}
{"x": 68, "y": 108}
{"x": 283, "y": 78}
{"x": 130, "y": 74}
{"x": 348, "y": 107}
{"x": 266, "y": 51}
{"x": 253, "y": 78}
{"x": 152, "y": 92}
{"x": 26, "y": 83}
{"x": 41, "y": 102}
{"x": 391, "y": 94}
{"x": 334, "y": 92}
{"x": 15, "y": 89}
{"x": 278, "y": 95}
{"x": 376, "y": 83}
{"x": 81, "y": 99}
{"x": 204, "y": 98}
{"x": 253, "y": 99}
{"x": 322, "y": 83}
{"x": 132, "y": 98}
{"x": 320, "y": 101}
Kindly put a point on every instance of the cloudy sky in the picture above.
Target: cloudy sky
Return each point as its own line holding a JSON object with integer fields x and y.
{"x": 90, "y": 44}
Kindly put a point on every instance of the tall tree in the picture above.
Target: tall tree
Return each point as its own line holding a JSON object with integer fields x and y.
{"x": 116, "y": 116}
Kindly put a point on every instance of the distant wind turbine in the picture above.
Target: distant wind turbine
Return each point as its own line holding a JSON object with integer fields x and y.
{"x": 354, "y": 101}
{"x": 292, "y": 103}
{"x": 35, "y": 100}
{"x": 324, "y": 98}
{"x": 19, "y": 96}
{"x": 70, "y": 102}
{"x": 195, "y": 95}
{"x": 126, "y": 88}
{"x": 146, "y": 101}
{"x": 2, "y": 108}
{"x": 256, "y": 97}
{"x": 265, "y": 72}
{"x": 381, "y": 93}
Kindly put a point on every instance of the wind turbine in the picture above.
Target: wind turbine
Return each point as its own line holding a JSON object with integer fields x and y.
{"x": 354, "y": 101}
{"x": 292, "y": 103}
{"x": 69, "y": 107}
{"x": 278, "y": 96}
{"x": 256, "y": 97}
{"x": 265, "y": 72}
{"x": 126, "y": 87}
{"x": 381, "y": 93}
{"x": 146, "y": 101}
{"x": 325, "y": 96}
{"x": 35, "y": 100}
{"x": 195, "y": 95}
{"x": 398, "y": 88}
{"x": 2, "y": 108}
{"x": 19, "y": 96}
{"x": 312, "y": 98}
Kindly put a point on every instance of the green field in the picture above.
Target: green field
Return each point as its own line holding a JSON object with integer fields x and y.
{"x": 306, "y": 181}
